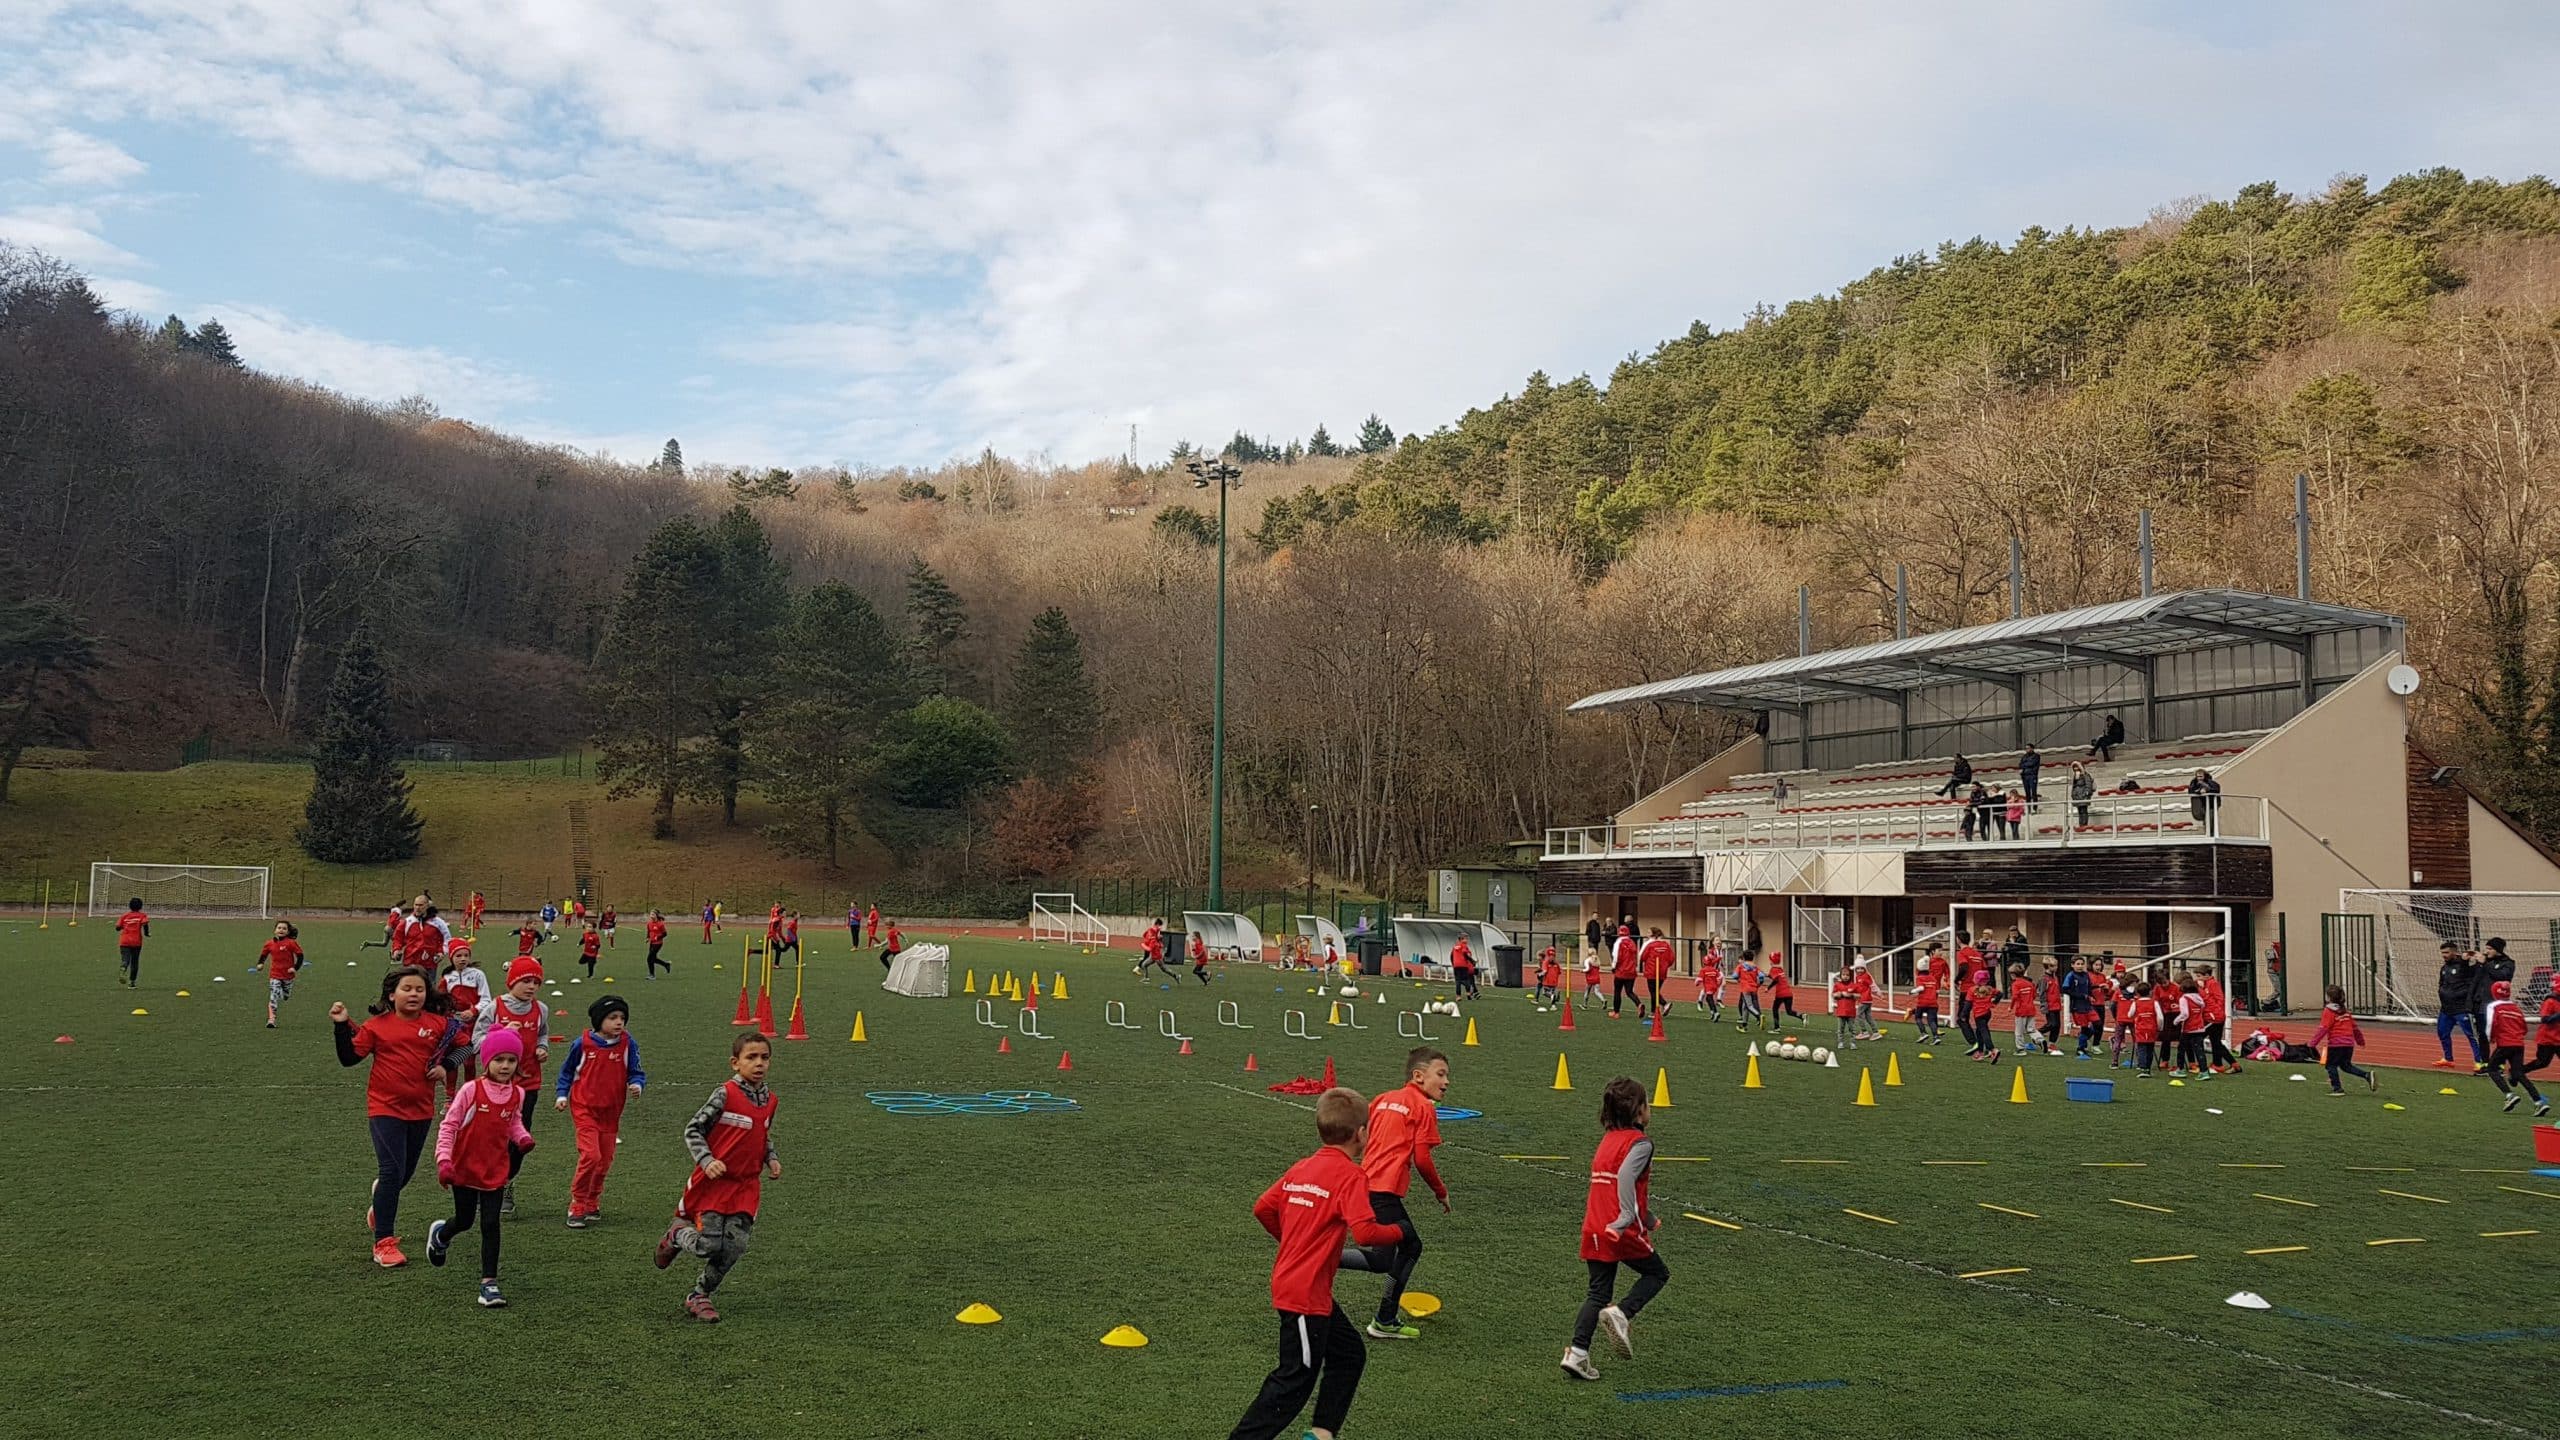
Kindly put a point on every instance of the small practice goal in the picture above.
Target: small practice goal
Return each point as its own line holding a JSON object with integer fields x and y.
{"x": 2383, "y": 947}
{"x": 212, "y": 891}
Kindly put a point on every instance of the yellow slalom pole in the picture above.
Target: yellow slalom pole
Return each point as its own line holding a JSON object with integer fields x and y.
{"x": 797, "y": 972}
{"x": 44, "y": 921}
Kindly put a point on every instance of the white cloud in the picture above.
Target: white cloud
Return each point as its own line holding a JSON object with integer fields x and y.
{"x": 371, "y": 369}
{"x": 76, "y": 160}
{"x": 1031, "y": 223}
{"x": 66, "y": 232}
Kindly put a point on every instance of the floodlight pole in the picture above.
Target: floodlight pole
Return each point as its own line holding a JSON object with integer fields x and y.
{"x": 1218, "y": 474}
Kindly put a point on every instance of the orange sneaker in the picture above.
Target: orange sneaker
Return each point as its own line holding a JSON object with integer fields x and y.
{"x": 386, "y": 1253}
{"x": 2441, "y": 1064}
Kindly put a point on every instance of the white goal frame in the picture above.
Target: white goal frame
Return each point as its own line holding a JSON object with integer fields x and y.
{"x": 2218, "y": 942}
{"x": 2409, "y": 925}
{"x": 203, "y": 891}
{"x": 1055, "y": 915}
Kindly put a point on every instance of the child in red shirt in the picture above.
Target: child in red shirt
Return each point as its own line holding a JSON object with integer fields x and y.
{"x": 1404, "y": 1128}
{"x": 406, "y": 1039}
{"x": 2149, "y": 1014}
{"x": 132, "y": 928}
{"x": 2546, "y": 1039}
{"x": 657, "y": 933}
{"x": 1617, "y": 1228}
{"x": 282, "y": 957}
{"x": 1844, "y": 1010}
{"x": 1781, "y": 987}
{"x": 1863, "y": 982}
{"x": 1200, "y": 956}
{"x": 589, "y": 943}
{"x": 2336, "y": 1039}
{"x": 1924, "y": 1004}
{"x": 528, "y": 935}
{"x": 1654, "y": 960}
{"x": 482, "y": 1139}
{"x": 1979, "y": 1002}
{"x": 1550, "y": 978}
{"x": 1746, "y": 997}
{"x": 731, "y": 1141}
{"x": 1312, "y": 1210}
{"x": 2022, "y": 1010}
{"x": 1711, "y": 981}
{"x": 2506, "y": 1049}
{"x": 602, "y": 1072}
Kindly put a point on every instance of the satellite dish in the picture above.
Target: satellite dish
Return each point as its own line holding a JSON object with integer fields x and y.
{"x": 2403, "y": 680}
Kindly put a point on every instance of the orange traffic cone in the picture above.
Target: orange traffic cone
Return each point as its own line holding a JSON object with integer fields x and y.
{"x": 1329, "y": 1081}
{"x": 1567, "y": 1022}
{"x": 764, "y": 1014}
{"x": 1034, "y": 1002}
{"x": 1656, "y": 1032}
{"x": 1250, "y": 1065}
{"x": 1004, "y": 1044}
{"x": 1064, "y": 1063}
{"x": 799, "y": 1029}
{"x": 1186, "y": 1046}
{"x": 743, "y": 1017}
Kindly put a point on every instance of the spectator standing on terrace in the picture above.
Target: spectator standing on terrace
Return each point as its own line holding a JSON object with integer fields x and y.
{"x": 1591, "y": 938}
{"x": 2083, "y": 790}
{"x": 2204, "y": 799}
{"x": 2109, "y": 737}
{"x": 1958, "y": 778}
{"x": 2030, "y": 766}
{"x": 1979, "y": 807}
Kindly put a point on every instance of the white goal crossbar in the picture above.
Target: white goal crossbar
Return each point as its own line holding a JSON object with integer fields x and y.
{"x": 1055, "y": 915}
{"x": 202, "y": 890}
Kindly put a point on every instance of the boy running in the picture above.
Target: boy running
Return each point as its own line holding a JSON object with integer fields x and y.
{"x": 2022, "y": 1010}
{"x": 1200, "y": 956}
{"x": 2506, "y": 1049}
{"x": 602, "y": 1073}
{"x": 605, "y": 923}
{"x": 1711, "y": 982}
{"x": 731, "y": 1141}
{"x": 132, "y": 928}
{"x": 1404, "y": 1128}
{"x": 1746, "y": 996}
{"x": 657, "y": 933}
{"x": 2336, "y": 1039}
{"x": 282, "y": 958}
{"x": 589, "y": 944}
{"x": 1312, "y": 1209}
{"x": 1550, "y": 978}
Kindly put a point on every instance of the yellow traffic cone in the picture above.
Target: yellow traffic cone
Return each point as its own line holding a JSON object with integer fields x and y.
{"x": 858, "y": 1036}
{"x": 1893, "y": 1069}
{"x": 1564, "y": 1077}
{"x": 1751, "y": 1076}
{"x": 1471, "y": 1031}
{"x": 2017, "y": 1087}
{"x": 1335, "y": 1016}
{"x": 1866, "y": 1087}
{"x": 968, "y": 982}
{"x": 1059, "y": 990}
{"x": 1661, "y": 1089}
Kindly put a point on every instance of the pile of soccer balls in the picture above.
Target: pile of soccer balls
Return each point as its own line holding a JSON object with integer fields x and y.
{"x": 1790, "y": 1050}
{"x": 1439, "y": 1007}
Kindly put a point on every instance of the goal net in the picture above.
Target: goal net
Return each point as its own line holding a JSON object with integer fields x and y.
{"x": 2384, "y": 946}
{"x": 232, "y": 891}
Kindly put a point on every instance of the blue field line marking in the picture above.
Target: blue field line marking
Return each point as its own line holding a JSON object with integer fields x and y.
{"x": 1728, "y": 1392}
{"x": 2475, "y": 1337}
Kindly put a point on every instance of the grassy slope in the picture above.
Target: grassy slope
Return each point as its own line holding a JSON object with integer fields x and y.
{"x": 199, "y": 1267}
{"x": 495, "y": 826}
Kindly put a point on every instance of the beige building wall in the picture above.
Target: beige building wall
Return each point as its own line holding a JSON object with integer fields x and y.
{"x": 1740, "y": 758}
{"x": 2336, "y": 779}
{"x": 2503, "y": 860}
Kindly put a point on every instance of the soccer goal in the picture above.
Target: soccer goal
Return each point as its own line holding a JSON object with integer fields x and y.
{"x": 1055, "y": 915}
{"x": 212, "y": 891}
{"x": 2383, "y": 946}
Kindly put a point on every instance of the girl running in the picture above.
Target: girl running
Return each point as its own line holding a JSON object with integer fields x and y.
{"x": 1617, "y": 1228}
{"x": 406, "y": 1039}
{"x": 1746, "y": 996}
{"x": 282, "y": 958}
{"x": 2336, "y": 1039}
{"x": 1782, "y": 990}
{"x": 483, "y": 1138}
{"x": 1711, "y": 981}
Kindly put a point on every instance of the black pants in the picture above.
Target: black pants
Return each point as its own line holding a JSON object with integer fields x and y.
{"x": 2542, "y": 1055}
{"x": 1924, "y": 1018}
{"x": 590, "y": 962}
{"x": 888, "y": 958}
{"x": 1395, "y": 1261}
{"x": 1786, "y": 1003}
{"x": 1653, "y": 994}
{"x": 1622, "y": 988}
{"x": 2506, "y": 1070}
{"x": 2343, "y": 1058}
{"x": 2028, "y": 783}
{"x": 129, "y": 960}
{"x": 1321, "y": 1353}
{"x": 1651, "y": 1276}
{"x": 656, "y": 964}
{"x": 2213, "y": 1040}
{"x": 2083, "y": 807}
{"x": 1466, "y": 983}
{"x": 484, "y": 1205}
{"x": 396, "y": 1147}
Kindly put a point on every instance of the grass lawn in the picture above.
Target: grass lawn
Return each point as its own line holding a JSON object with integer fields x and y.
{"x": 187, "y": 1255}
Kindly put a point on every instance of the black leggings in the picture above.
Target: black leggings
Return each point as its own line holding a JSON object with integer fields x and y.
{"x": 1786, "y": 1003}
{"x": 2542, "y": 1055}
{"x": 129, "y": 958}
{"x": 484, "y": 1204}
{"x": 1653, "y": 993}
{"x": 1394, "y": 1261}
{"x": 2506, "y": 1071}
{"x": 1622, "y": 988}
{"x": 396, "y": 1146}
{"x": 1321, "y": 1353}
{"x": 2342, "y": 1058}
{"x": 656, "y": 964}
{"x": 1651, "y": 1276}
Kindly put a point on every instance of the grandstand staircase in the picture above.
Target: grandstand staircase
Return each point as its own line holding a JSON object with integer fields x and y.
{"x": 582, "y": 853}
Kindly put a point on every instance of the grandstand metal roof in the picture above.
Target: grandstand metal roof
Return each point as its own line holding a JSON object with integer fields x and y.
{"x": 2123, "y": 631}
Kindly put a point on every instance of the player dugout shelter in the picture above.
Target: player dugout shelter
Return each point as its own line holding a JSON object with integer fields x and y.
{"x": 1827, "y": 832}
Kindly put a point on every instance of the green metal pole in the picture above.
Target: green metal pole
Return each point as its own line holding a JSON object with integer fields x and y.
{"x": 1218, "y": 727}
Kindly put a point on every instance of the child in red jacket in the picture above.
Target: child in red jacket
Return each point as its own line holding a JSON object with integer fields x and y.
{"x": 1844, "y": 1010}
{"x": 2149, "y": 1014}
{"x": 1315, "y": 1208}
{"x": 2022, "y": 1010}
{"x": 480, "y": 1141}
{"x": 2506, "y": 1049}
{"x": 2546, "y": 1040}
{"x": 1550, "y": 978}
{"x": 1617, "y": 1228}
{"x": 601, "y": 1074}
{"x": 731, "y": 1140}
{"x": 2336, "y": 1039}
{"x": 1979, "y": 1003}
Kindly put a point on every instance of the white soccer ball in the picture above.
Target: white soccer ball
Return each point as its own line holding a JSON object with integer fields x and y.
{"x": 1448, "y": 1007}
{"x": 1799, "y": 1052}
{"x": 1774, "y": 1049}
{"x": 1820, "y": 1054}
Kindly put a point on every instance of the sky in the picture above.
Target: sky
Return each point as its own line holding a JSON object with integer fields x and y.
{"x": 876, "y": 233}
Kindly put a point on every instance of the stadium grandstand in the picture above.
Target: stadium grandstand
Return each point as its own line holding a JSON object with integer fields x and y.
{"x": 2264, "y": 771}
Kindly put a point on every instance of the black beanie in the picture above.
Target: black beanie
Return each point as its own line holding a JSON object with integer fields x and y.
{"x": 606, "y": 1005}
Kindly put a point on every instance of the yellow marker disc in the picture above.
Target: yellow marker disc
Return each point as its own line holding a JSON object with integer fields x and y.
{"x": 1418, "y": 1304}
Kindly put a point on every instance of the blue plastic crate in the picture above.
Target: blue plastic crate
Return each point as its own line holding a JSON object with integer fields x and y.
{"x": 2090, "y": 1088}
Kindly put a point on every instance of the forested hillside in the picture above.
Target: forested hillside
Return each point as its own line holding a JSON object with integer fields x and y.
{"x": 1410, "y": 615}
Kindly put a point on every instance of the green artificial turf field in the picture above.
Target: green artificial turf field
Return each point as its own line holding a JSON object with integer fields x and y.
{"x": 186, "y": 1256}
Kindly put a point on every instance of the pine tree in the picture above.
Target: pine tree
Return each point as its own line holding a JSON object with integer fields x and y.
{"x": 655, "y": 690}
{"x": 815, "y": 742}
{"x": 1049, "y": 704}
{"x": 670, "y": 458}
{"x": 1321, "y": 444}
{"x": 359, "y": 812}
{"x": 936, "y": 621}
{"x": 748, "y": 604}
{"x": 214, "y": 343}
{"x": 1375, "y": 436}
{"x": 45, "y": 662}
{"x": 172, "y": 335}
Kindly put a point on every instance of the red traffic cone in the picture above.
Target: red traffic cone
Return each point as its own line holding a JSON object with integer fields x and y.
{"x": 1567, "y": 1022}
{"x": 1328, "y": 1072}
{"x": 1004, "y": 1045}
{"x": 744, "y": 1017}
{"x": 800, "y": 1031}
{"x": 1034, "y": 1002}
{"x": 1064, "y": 1063}
{"x": 1656, "y": 1032}
{"x": 1186, "y": 1046}
{"x": 764, "y": 1014}
{"x": 1250, "y": 1065}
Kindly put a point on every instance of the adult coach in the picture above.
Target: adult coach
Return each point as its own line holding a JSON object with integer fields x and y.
{"x": 2495, "y": 968}
{"x": 2458, "y": 999}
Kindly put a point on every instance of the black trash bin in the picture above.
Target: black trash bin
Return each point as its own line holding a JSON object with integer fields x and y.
{"x": 1506, "y": 966}
{"x": 1373, "y": 953}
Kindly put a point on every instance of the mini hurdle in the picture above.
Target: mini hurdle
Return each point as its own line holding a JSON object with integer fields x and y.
{"x": 1027, "y": 1021}
{"x": 987, "y": 1015}
{"x": 1116, "y": 1015}
{"x": 1231, "y": 1016}
{"x": 1168, "y": 1026}
{"x": 1409, "y": 1026}
{"x": 1294, "y": 1025}
{"x": 1351, "y": 1015}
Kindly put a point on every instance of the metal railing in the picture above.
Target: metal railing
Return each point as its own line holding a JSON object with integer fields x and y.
{"x": 2106, "y": 819}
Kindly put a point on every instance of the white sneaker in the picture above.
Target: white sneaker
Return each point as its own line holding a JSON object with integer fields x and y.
{"x": 1613, "y": 1323}
{"x": 1577, "y": 1363}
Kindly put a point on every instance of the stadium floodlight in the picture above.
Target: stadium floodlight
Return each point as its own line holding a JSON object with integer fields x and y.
{"x": 1206, "y": 473}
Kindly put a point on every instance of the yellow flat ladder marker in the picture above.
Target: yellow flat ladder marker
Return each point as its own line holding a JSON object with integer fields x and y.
{"x": 1681, "y": 1159}
{"x": 2277, "y": 1250}
{"x": 2520, "y": 1190}
{"x": 2496, "y": 1172}
{"x": 2163, "y": 1259}
{"x": 2005, "y": 1210}
{"x": 2246, "y": 1166}
{"x": 2382, "y": 1169}
{"x": 1863, "y": 1215}
{"x": 1985, "y": 1274}
{"x": 2506, "y": 1234}
{"x": 2406, "y": 1195}
{"x": 1709, "y": 1220}
{"x": 2115, "y": 1164}
{"x": 2284, "y": 1200}
{"x": 2138, "y": 1205}
{"x": 1817, "y": 1162}
{"x": 2418, "y": 1240}
{"x": 1956, "y": 1162}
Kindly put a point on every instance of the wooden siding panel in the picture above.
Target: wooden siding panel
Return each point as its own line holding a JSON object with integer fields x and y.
{"x": 2439, "y": 828}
